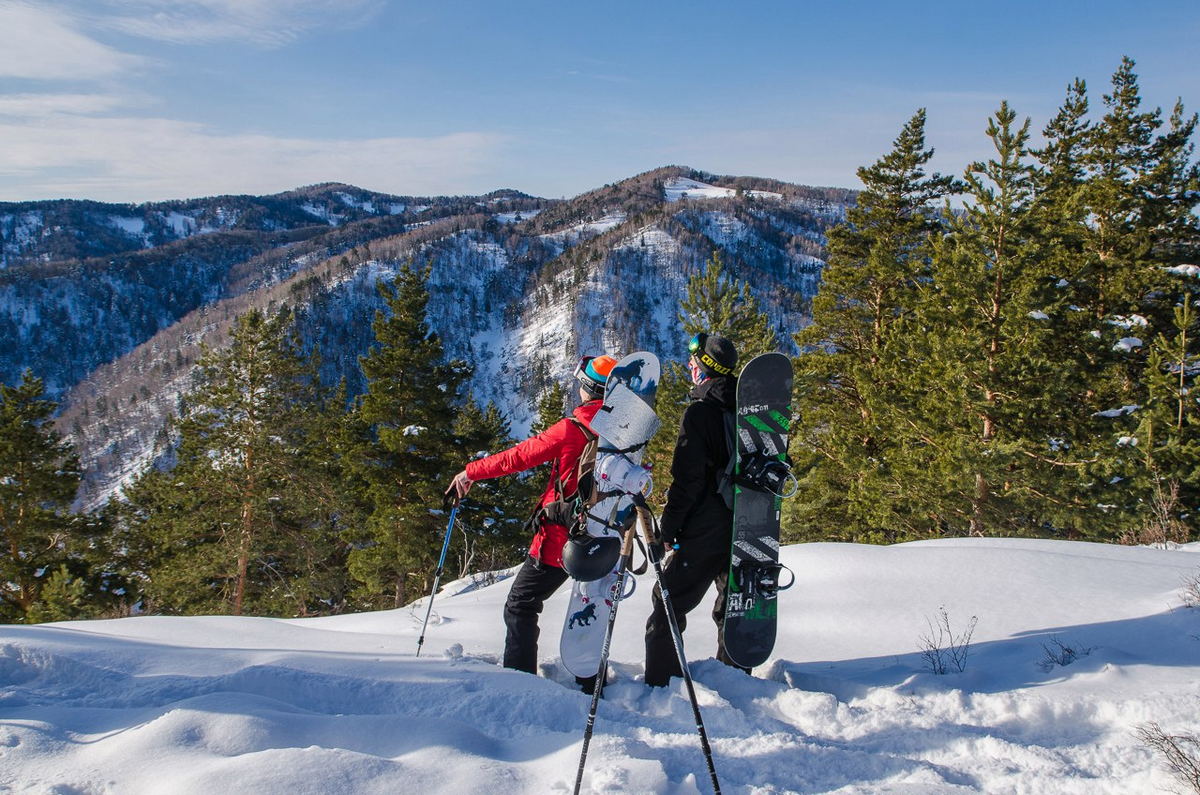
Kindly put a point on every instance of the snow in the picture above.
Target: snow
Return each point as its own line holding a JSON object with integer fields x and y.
{"x": 589, "y": 229}
{"x": 679, "y": 188}
{"x": 1185, "y": 270}
{"x": 724, "y": 229}
{"x": 351, "y": 201}
{"x": 134, "y": 227}
{"x": 1038, "y": 314}
{"x": 516, "y": 215}
{"x": 342, "y": 704}
{"x": 183, "y": 225}
{"x": 1129, "y": 322}
{"x": 1112, "y": 413}
{"x": 18, "y": 232}
{"x": 1128, "y": 344}
{"x": 322, "y": 213}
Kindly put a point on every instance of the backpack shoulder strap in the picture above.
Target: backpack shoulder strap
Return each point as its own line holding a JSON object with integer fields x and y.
{"x": 725, "y": 477}
{"x": 585, "y": 464}
{"x": 588, "y": 433}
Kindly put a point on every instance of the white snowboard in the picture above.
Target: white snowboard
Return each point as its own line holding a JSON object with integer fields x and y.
{"x": 625, "y": 422}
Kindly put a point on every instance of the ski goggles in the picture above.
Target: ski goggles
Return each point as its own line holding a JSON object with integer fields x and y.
{"x": 587, "y": 376}
{"x": 696, "y": 349}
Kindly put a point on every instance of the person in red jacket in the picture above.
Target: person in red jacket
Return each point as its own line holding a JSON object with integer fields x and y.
{"x": 542, "y": 572}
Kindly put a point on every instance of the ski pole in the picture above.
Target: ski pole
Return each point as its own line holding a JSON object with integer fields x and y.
{"x": 437, "y": 577}
{"x": 602, "y": 674}
{"x": 677, "y": 639}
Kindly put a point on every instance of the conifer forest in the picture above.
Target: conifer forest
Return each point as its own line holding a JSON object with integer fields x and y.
{"x": 1006, "y": 351}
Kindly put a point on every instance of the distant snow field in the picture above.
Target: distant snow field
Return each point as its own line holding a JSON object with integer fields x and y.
{"x": 846, "y": 704}
{"x": 683, "y": 188}
{"x": 589, "y": 229}
{"x": 516, "y": 215}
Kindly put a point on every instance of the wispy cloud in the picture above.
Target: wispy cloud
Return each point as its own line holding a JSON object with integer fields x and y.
{"x": 79, "y": 144}
{"x": 36, "y": 106}
{"x": 135, "y": 159}
{"x": 269, "y": 23}
{"x": 44, "y": 43}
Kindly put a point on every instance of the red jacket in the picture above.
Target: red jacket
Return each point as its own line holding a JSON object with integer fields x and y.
{"x": 562, "y": 443}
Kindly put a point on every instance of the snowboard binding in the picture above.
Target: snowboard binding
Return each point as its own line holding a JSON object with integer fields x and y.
{"x": 767, "y": 473}
{"x": 761, "y": 580}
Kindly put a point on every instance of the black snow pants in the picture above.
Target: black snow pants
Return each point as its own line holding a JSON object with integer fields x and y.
{"x": 686, "y": 577}
{"x": 534, "y": 584}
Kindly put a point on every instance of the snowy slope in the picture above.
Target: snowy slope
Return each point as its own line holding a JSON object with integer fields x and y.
{"x": 341, "y": 704}
{"x": 679, "y": 188}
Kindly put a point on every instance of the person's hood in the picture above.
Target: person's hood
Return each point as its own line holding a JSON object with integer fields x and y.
{"x": 720, "y": 390}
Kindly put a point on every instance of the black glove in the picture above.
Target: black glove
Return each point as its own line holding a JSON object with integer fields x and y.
{"x": 655, "y": 550}
{"x": 659, "y": 546}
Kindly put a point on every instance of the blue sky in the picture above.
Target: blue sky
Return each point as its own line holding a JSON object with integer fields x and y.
{"x": 139, "y": 100}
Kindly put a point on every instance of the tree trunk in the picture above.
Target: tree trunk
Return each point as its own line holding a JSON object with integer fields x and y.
{"x": 243, "y": 564}
{"x": 247, "y": 533}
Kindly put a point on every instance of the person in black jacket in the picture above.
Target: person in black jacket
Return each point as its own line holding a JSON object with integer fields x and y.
{"x": 696, "y": 525}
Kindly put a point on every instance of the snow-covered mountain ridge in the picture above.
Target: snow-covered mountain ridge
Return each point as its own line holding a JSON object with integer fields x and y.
{"x": 518, "y": 287}
{"x": 67, "y": 229}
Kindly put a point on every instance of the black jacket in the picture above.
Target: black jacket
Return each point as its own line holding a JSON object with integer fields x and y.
{"x": 695, "y": 515}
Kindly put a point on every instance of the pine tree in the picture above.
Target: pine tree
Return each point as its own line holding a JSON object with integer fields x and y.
{"x": 1059, "y": 214}
{"x": 323, "y": 504}
{"x": 550, "y": 407}
{"x": 1152, "y": 468}
{"x": 39, "y": 475}
{"x": 715, "y": 304}
{"x": 234, "y": 526}
{"x": 492, "y": 517}
{"x": 844, "y": 441}
{"x": 981, "y": 401}
{"x": 1140, "y": 197}
{"x": 410, "y": 407}
{"x": 718, "y": 304}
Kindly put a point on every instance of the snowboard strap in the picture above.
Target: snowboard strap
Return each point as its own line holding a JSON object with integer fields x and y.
{"x": 622, "y": 450}
{"x": 761, "y": 579}
{"x": 641, "y": 545}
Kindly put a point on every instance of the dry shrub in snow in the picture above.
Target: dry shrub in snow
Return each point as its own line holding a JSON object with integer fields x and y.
{"x": 941, "y": 648}
{"x": 1190, "y": 592}
{"x": 1061, "y": 654}
{"x": 1162, "y": 528}
{"x": 1181, "y": 752}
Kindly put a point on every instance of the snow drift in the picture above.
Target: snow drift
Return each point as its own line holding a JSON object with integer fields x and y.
{"x": 846, "y": 704}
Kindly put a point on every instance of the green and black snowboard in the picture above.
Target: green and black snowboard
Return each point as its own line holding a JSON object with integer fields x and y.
{"x": 761, "y": 475}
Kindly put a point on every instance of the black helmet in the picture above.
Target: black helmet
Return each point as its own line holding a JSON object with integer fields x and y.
{"x": 587, "y": 557}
